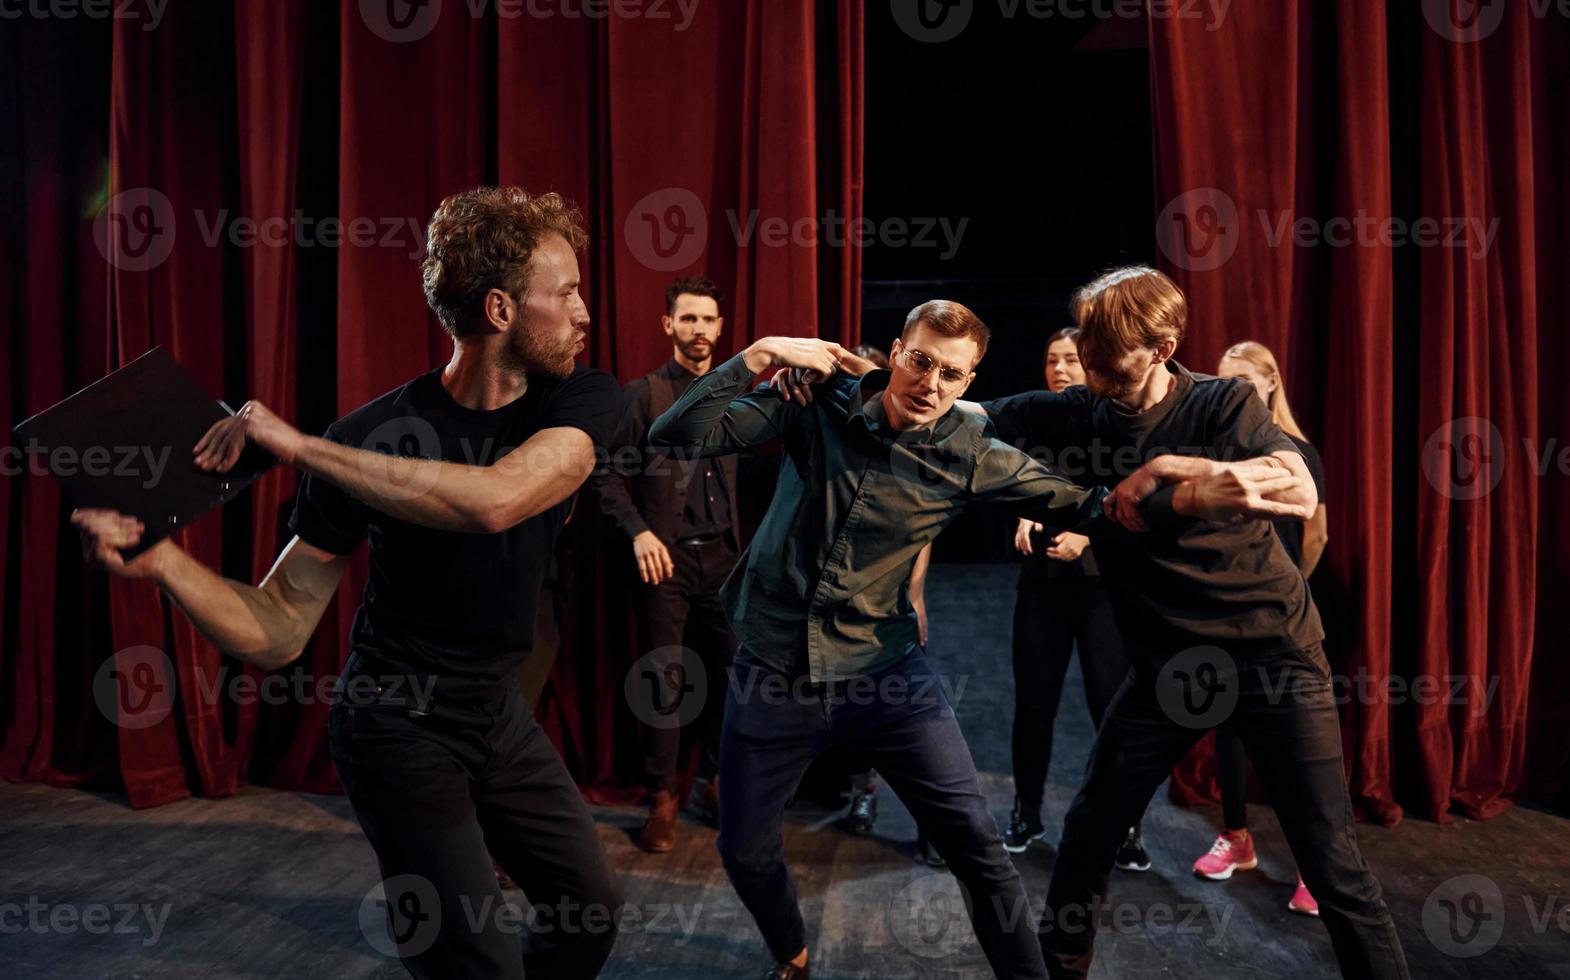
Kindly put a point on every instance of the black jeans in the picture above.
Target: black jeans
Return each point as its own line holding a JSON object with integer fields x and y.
{"x": 1286, "y": 716}
{"x": 1050, "y": 614}
{"x": 685, "y": 611}
{"x": 441, "y": 785}
{"x": 1232, "y": 777}
{"x": 901, "y": 722}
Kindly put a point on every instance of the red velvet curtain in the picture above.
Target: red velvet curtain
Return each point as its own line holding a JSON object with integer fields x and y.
{"x": 264, "y": 172}
{"x": 1427, "y": 371}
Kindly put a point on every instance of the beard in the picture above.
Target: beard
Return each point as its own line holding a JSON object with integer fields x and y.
{"x": 694, "y": 350}
{"x": 528, "y": 352}
{"x": 1113, "y": 383}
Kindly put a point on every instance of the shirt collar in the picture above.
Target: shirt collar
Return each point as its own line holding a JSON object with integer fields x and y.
{"x": 676, "y": 370}
{"x": 866, "y": 403}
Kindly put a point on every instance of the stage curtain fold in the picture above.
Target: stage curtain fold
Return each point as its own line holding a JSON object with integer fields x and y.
{"x": 1480, "y": 508}
{"x": 172, "y": 112}
{"x": 1415, "y": 368}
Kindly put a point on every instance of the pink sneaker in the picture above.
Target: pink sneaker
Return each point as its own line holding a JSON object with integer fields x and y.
{"x": 1302, "y": 902}
{"x": 1232, "y": 851}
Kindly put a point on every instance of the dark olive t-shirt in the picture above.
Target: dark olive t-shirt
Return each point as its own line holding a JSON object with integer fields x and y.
{"x": 450, "y": 603}
{"x": 1198, "y": 583}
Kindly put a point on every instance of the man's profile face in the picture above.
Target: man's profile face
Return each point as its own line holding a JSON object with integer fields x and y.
{"x": 914, "y": 399}
{"x": 549, "y": 330}
{"x": 694, "y": 324}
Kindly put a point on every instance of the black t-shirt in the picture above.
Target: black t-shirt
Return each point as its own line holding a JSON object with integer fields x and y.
{"x": 1231, "y": 586}
{"x": 1289, "y": 531}
{"x": 450, "y": 603}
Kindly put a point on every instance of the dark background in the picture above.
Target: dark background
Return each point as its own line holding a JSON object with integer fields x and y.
{"x": 1036, "y": 130}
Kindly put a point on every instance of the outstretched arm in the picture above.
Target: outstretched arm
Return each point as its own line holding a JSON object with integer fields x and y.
{"x": 536, "y": 476}
{"x": 267, "y": 625}
{"x": 1005, "y": 475}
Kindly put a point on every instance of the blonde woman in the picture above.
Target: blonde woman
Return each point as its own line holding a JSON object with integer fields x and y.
{"x": 1304, "y": 542}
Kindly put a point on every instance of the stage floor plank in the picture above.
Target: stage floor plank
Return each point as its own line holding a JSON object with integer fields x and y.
{"x": 271, "y": 884}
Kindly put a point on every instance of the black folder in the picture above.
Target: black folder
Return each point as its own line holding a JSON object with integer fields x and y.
{"x": 139, "y": 424}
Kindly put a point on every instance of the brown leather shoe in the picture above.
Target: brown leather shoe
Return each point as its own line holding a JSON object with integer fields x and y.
{"x": 788, "y": 971}
{"x": 659, "y": 831}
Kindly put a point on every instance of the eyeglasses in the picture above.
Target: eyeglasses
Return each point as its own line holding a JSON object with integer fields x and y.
{"x": 921, "y": 365}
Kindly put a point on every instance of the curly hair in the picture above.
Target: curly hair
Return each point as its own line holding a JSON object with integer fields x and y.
{"x": 484, "y": 239}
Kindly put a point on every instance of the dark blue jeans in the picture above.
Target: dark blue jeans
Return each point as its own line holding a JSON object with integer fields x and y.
{"x": 901, "y": 722}
{"x": 1285, "y": 714}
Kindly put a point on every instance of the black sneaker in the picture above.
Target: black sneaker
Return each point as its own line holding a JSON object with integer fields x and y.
{"x": 863, "y": 812}
{"x": 1022, "y": 830}
{"x": 925, "y": 851}
{"x": 1132, "y": 855}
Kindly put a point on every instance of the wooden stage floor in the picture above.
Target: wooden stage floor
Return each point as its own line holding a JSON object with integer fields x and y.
{"x": 271, "y": 884}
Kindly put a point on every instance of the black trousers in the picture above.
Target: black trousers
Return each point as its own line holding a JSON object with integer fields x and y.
{"x": 900, "y": 721}
{"x": 1286, "y": 716}
{"x": 1050, "y": 615}
{"x": 442, "y": 785}
{"x": 684, "y": 613}
{"x": 1232, "y": 776}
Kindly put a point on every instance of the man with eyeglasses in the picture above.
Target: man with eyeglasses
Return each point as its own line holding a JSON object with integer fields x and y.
{"x": 873, "y": 468}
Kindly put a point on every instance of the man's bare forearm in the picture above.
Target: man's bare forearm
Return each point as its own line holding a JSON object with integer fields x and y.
{"x": 1304, "y": 494}
{"x": 452, "y": 496}
{"x": 241, "y": 620}
{"x": 1174, "y": 469}
{"x": 1185, "y": 471}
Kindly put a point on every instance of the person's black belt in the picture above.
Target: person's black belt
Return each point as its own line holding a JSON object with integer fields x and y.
{"x": 701, "y": 540}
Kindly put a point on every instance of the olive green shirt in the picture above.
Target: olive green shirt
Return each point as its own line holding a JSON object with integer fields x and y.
{"x": 821, "y": 590}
